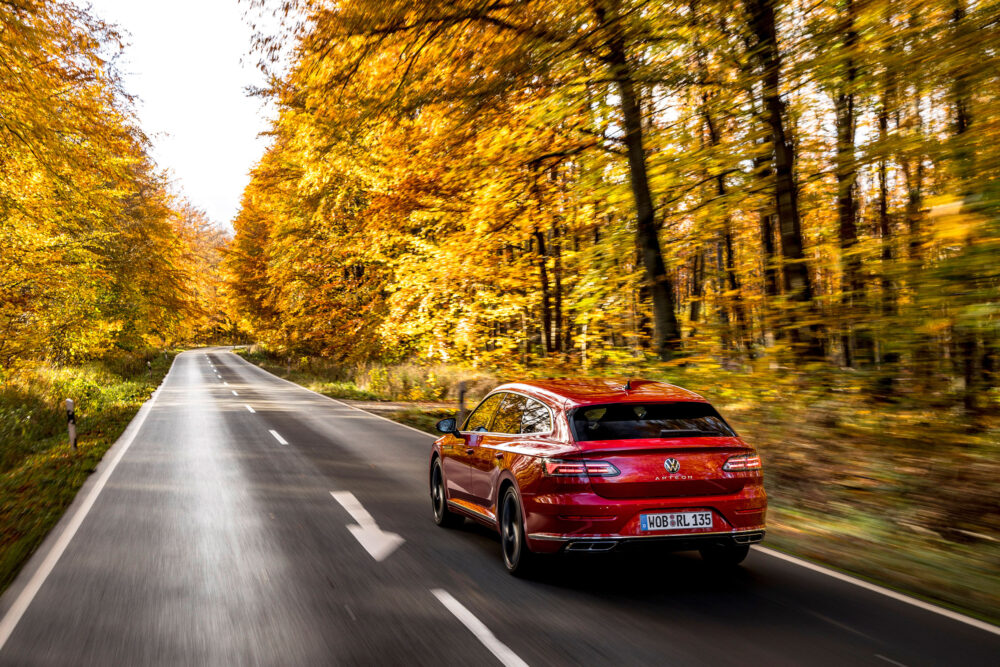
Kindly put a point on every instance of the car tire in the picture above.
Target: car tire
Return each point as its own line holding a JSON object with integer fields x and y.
{"x": 729, "y": 555}
{"x": 517, "y": 557}
{"x": 439, "y": 500}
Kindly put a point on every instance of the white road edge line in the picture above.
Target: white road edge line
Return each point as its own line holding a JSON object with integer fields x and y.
{"x": 27, "y": 594}
{"x": 248, "y": 408}
{"x": 333, "y": 400}
{"x": 277, "y": 436}
{"x": 926, "y": 606}
{"x": 378, "y": 543}
{"x": 499, "y": 649}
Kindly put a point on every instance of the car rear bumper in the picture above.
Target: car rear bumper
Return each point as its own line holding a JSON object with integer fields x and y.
{"x": 556, "y": 521}
{"x": 601, "y": 543}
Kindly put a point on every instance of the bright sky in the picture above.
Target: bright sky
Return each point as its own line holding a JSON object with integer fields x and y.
{"x": 189, "y": 62}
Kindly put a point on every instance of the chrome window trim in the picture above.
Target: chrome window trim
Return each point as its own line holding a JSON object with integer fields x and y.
{"x": 552, "y": 417}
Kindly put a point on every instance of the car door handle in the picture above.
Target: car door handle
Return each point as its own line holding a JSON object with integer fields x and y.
{"x": 498, "y": 456}
{"x": 469, "y": 450}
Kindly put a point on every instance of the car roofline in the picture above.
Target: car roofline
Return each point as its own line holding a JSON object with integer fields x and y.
{"x": 544, "y": 390}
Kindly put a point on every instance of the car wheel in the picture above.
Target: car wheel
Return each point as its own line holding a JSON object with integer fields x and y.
{"x": 439, "y": 501}
{"x": 729, "y": 555}
{"x": 517, "y": 557}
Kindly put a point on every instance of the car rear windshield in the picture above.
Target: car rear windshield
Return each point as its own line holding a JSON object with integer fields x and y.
{"x": 633, "y": 421}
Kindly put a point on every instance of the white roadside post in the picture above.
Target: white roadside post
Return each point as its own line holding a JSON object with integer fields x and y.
{"x": 71, "y": 422}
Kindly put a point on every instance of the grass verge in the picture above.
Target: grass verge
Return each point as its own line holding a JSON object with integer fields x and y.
{"x": 39, "y": 473}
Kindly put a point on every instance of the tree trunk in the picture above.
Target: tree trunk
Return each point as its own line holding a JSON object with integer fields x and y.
{"x": 741, "y": 333}
{"x": 666, "y": 331}
{"x": 697, "y": 287}
{"x": 727, "y": 239}
{"x": 962, "y": 100}
{"x": 913, "y": 172}
{"x": 885, "y": 384}
{"x": 557, "y": 336}
{"x": 797, "y": 283}
{"x": 762, "y": 165}
{"x": 968, "y": 351}
{"x": 762, "y": 161}
{"x": 543, "y": 279}
{"x": 968, "y": 340}
{"x": 847, "y": 209}
{"x": 884, "y": 223}
{"x": 724, "y": 249}
{"x": 525, "y": 337}
{"x": 725, "y": 333}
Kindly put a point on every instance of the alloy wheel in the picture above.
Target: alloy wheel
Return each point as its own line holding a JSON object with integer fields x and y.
{"x": 510, "y": 530}
{"x": 437, "y": 494}
{"x": 439, "y": 501}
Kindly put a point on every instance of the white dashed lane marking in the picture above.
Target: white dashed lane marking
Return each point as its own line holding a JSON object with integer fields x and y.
{"x": 476, "y": 627}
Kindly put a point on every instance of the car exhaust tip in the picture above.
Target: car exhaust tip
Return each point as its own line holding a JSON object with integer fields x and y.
{"x": 592, "y": 547}
{"x": 749, "y": 538}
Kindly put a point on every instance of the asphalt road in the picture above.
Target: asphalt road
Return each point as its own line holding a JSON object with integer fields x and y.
{"x": 202, "y": 539}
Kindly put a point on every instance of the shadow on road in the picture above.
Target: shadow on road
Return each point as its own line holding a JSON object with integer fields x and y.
{"x": 629, "y": 573}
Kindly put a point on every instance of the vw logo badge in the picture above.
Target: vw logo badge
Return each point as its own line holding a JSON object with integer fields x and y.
{"x": 672, "y": 465}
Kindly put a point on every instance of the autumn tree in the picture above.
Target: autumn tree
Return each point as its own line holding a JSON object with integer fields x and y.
{"x": 512, "y": 183}
{"x": 90, "y": 249}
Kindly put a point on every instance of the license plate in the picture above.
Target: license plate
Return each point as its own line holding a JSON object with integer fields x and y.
{"x": 675, "y": 521}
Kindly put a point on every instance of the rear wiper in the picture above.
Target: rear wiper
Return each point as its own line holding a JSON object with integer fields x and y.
{"x": 681, "y": 432}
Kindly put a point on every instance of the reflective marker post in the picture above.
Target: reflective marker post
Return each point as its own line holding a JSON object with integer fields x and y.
{"x": 71, "y": 422}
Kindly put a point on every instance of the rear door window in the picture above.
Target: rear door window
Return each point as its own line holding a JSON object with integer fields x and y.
{"x": 537, "y": 418}
{"x": 635, "y": 421}
{"x": 508, "y": 417}
{"x": 480, "y": 419}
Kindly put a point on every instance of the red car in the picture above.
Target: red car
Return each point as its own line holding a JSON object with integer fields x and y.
{"x": 592, "y": 465}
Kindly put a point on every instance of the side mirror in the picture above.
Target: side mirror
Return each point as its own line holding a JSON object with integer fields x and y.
{"x": 449, "y": 426}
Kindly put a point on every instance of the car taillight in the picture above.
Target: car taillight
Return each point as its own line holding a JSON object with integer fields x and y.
{"x": 742, "y": 462}
{"x": 601, "y": 469}
{"x": 559, "y": 468}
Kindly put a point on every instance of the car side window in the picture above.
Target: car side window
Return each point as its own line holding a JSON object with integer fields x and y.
{"x": 537, "y": 418}
{"x": 480, "y": 419}
{"x": 508, "y": 417}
